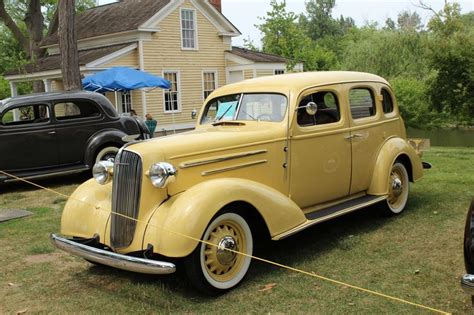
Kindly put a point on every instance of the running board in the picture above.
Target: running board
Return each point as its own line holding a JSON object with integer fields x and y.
{"x": 332, "y": 212}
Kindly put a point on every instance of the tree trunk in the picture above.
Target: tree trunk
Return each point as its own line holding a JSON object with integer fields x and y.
{"x": 68, "y": 46}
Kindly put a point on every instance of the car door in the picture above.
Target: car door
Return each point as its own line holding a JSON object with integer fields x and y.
{"x": 367, "y": 133}
{"x": 27, "y": 138}
{"x": 76, "y": 121}
{"x": 320, "y": 153}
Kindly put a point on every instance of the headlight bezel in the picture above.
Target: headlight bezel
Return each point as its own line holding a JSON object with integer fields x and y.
{"x": 103, "y": 172}
{"x": 161, "y": 174}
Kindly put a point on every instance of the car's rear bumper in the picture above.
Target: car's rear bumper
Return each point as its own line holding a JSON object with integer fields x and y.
{"x": 112, "y": 259}
{"x": 467, "y": 283}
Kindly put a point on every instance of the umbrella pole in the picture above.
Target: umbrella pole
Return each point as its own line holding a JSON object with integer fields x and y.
{"x": 116, "y": 101}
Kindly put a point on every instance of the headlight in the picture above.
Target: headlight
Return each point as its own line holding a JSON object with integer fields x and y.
{"x": 162, "y": 174}
{"x": 103, "y": 171}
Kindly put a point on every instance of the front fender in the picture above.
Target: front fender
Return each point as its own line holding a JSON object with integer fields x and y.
{"x": 87, "y": 211}
{"x": 179, "y": 222}
{"x": 97, "y": 140}
{"x": 390, "y": 151}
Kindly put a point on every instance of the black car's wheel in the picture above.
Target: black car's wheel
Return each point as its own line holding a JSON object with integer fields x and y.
{"x": 468, "y": 240}
{"x": 211, "y": 268}
{"x": 107, "y": 153}
{"x": 398, "y": 188}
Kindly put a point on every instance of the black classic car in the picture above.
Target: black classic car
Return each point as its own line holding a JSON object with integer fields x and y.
{"x": 52, "y": 133}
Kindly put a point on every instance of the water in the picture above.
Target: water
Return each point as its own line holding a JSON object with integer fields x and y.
{"x": 445, "y": 137}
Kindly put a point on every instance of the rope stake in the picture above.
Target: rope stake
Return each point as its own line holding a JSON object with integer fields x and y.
{"x": 276, "y": 264}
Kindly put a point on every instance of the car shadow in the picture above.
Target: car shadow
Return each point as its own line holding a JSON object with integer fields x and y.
{"x": 290, "y": 252}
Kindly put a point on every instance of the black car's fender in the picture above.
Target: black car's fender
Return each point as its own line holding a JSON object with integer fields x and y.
{"x": 144, "y": 131}
{"x": 112, "y": 137}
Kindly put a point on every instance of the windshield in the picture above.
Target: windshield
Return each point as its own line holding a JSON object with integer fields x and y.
{"x": 258, "y": 107}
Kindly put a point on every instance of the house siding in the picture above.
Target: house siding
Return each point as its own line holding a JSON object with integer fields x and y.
{"x": 248, "y": 74}
{"x": 263, "y": 73}
{"x": 130, "y": 60}
{"x": 164, "y": 53}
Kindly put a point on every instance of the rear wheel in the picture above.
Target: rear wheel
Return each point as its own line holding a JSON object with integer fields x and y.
{"x": 398, "y": 188}
{"x": 212, "y": 268}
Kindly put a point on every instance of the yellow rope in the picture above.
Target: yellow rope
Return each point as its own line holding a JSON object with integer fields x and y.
{"x": 311, "y": 274}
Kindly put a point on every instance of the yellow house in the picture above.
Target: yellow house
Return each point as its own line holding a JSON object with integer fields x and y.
{"x": 188, "y": 42}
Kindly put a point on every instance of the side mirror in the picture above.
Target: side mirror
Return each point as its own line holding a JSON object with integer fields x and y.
{"x": 193, "y": 114}
{"x": 311, "y": 108}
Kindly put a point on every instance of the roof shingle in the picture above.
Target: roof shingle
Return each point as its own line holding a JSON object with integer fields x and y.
{"x": 53, "y": 62}
{"x": 125, "y": 15}
{"x": 257, "y": 56}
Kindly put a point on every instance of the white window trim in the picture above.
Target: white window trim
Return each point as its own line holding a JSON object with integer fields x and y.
{"x": 216, "y": 79}
{"x": 120, "y": 106}
{"x": 178, "y": 84}
{"x": 196, "y": 43}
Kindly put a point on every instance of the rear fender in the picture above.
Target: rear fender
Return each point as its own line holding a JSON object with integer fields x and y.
{"x": 393, "y": 149}
{"x": 177, "y": 224}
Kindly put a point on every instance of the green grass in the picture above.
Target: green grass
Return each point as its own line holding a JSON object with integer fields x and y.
{"x": 415, "y": 256}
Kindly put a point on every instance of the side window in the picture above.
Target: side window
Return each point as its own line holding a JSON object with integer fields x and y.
{"x": 387, "y": 102}
{"x": 75, "y": 110}
{"x": 26, "y": 115}
{"x": 362, "y": 103}
{"x": 327, "y": 113}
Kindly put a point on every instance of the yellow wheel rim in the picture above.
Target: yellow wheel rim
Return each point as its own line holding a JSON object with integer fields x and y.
{"x": 398, "y": 184}
{"x": 221, "y": 264}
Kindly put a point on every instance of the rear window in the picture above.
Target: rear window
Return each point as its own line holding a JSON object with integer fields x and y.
{"x": 76, "y": 110}
{"x": 387, "y": 102}
{"x": 26, "y": 115}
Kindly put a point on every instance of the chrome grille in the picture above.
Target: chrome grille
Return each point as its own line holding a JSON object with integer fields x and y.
{"x": 127, "y": 184}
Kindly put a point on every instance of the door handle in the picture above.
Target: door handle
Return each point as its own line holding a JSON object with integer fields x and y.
{"x": 353, "y": 136}
{"x": 52, "y": 133}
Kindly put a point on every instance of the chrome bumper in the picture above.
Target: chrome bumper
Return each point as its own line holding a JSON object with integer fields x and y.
{"x": 467, "y": 283}
{"x": 111, "y": 259}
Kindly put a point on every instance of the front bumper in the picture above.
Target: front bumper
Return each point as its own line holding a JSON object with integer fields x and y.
{"x": 467, "y": 284}
{"x": 111, "y": 259}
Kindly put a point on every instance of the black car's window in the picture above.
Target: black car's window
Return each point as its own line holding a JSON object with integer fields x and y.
{"x": 26, "y": 115}
{"x": 327, "y": 112}
{"x": 75, "y": 110}
{"x": 362, "y": 103}
{"x": 387, "y": 102}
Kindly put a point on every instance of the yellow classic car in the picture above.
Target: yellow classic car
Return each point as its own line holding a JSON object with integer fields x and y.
{"x": 269, "y": 157}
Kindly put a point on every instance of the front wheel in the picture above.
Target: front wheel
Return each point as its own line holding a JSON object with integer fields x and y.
{"x": 107, "y": 154}
{"x": 213, "y": 269}
{"x": 398, "y": 187}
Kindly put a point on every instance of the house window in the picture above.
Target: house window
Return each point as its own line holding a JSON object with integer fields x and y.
{"x": 172, "y": 95}
{"x": 209, "y": 83}
{"x": 188, "y": 29}
{"x": 279, "y": 71}
{"x": 126, "y": 101}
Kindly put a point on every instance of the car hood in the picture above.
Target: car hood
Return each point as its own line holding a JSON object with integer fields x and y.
{"x": 204, "y": 141}
{"x": 209, "y": 144}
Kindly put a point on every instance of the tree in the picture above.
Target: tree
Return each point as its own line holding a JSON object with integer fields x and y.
{"x": 29, "y": 21}
{"x": 68, "y": 46}
{"x": 452, "y": 57}
{"x": 319, "y": 21}
{"x": 409, "y": 21}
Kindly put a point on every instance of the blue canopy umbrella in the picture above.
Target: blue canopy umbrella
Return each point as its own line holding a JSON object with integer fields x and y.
{"x": 122, "y": 79}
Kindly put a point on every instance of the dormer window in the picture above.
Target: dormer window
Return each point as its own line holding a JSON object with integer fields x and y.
{"x": 188, "y": 29}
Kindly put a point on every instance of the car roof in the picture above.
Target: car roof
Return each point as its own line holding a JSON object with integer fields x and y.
{"x": 50, "y": 96}
{"x": 299, "y": 81}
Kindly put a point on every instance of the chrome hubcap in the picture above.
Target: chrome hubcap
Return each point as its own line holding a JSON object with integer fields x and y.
{"x": 397, "y": 187}
{"x": 224, "y": 256}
